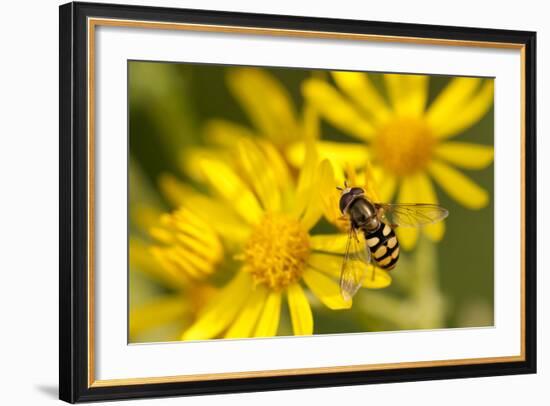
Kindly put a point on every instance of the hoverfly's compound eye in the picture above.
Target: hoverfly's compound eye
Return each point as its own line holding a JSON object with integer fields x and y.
{"x": 348, "y": 196}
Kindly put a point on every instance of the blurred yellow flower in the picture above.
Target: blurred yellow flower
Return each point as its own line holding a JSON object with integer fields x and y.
{"x": 407, "y": 142}
{"x": 277, "y": 255}
{"x": 269, "y": 108}
{"x": 188, "y": 244}
{"x": 160, "y": 311}
{"x": 270, "y": 111}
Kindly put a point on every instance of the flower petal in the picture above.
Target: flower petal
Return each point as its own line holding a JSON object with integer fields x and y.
{"x": 358, "y": 87}
{"x": 175, "y": 191}
{"x": 244, "y": 325}
{"x": 376, "y": 278}
{"x": 184, "y": 261}
{"x": 186, "y": 243}
{"x": 259, "y": 175}
{"x": 470, "y": 113}
{"x": 225, "y": 222}
{"x": 310, "y": 123}
{"x": 366, "y": 178}
{"x": 225, "y": 133}
{"x": 335, "y": 109}
{"x": 330, "y": 196}
{"x": 314, "y": 209}
{"x": 465, "y": 155}
{"x": 191, "y": 158}
{"x": 277, "y": 163}
{"x": 306, "y": 181}
{"x": 333, "y": 243}
{"x": 407, "y": 194}
{"x": 222, "y": 309}
{"x": 385, "y": 183}
{"x": 267, "y": 103}
{"x": 326, "y": 289}
{"x": 193, "y": 232}
{"x": 300, "y": 310}
{"x": 408, "y": 93}
{"x": 449, "y": 102}
{"x": 143, "y": 260}
{"x": 426, "y": 194}
{"x": 227, "y": 184}
{"x": 459, "y": 186}
{"x": 330, "y": 265}
{"x": 313, "y": 213}
{"x": 283, "y": 178}
{"x": 342, "y": 153}
{"x": 269, "y": 319}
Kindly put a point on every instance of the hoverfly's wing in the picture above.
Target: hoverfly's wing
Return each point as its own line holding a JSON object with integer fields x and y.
{"x": 354, "y": 267}
{"x": 411, "y": 215}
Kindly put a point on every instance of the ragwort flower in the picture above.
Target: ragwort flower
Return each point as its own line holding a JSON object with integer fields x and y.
{"x": 276, "y": 252}
{"x": 188, "y": 245}
{"x": 167, "y": 281}
{"x": 271, "y": 113}
{"x": 407, "y": 142}
{"x": 269, "y": 108}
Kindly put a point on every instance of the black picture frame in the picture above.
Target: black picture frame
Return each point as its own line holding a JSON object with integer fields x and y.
{"x": 74, "y": 200}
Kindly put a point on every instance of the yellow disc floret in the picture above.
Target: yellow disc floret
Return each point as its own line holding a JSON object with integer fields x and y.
{"x": 277, "y": 251}
{"x": 404, "y": 146}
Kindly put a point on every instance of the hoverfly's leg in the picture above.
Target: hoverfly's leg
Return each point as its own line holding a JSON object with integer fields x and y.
{"x": 355, "y": 234}
{"x": 373, "y": 273}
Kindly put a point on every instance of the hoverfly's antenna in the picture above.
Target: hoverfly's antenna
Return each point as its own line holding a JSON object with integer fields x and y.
{"x": 345, "y": 186}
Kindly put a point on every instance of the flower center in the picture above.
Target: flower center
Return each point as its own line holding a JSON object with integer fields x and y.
{"x": 404, "y": 146}
{"x": 277, "y": 251}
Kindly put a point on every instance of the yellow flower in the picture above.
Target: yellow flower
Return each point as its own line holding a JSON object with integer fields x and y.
{"x": 189, "y": 245}
{"x": 269, "y": 108}
{"x": 266, "y": 219}
{"x": 167, "y": 286}
{"x": 407, "y": 141}
{"x": 164, "y": 315}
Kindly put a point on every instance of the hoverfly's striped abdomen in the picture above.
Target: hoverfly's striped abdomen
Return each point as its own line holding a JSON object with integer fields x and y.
{"x": 383, "y": 246}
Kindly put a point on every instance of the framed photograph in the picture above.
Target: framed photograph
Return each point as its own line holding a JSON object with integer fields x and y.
{"x": 258, "y": 202}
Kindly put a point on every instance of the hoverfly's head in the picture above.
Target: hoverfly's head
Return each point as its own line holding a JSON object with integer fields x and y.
{"x": 349, "y": 194}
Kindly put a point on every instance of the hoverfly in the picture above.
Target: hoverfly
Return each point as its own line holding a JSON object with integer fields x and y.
{"x": 377, "y": 222}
